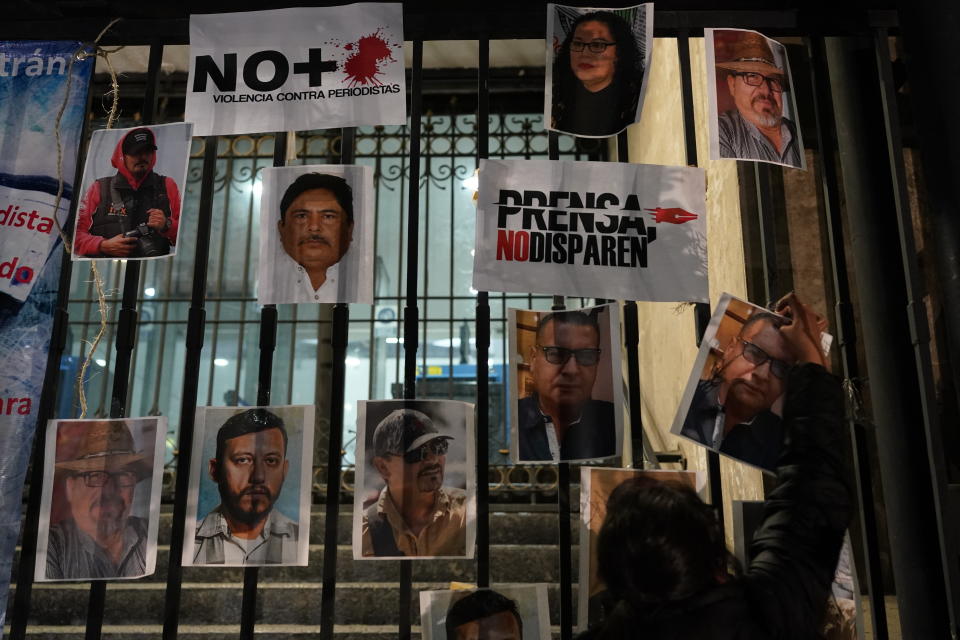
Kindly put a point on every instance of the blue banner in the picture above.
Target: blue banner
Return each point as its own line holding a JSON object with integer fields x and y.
{"x": 33, "y": 79}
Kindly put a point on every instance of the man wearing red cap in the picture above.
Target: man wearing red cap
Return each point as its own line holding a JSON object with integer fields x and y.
{"x": 756, "y": 129}
{"x": 134, "y": 213}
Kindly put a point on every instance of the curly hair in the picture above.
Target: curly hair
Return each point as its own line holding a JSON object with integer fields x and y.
{"x": 627, "y": 75}
{"x": 659, "y": 542}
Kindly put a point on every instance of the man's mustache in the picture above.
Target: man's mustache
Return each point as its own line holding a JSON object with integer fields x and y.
{"x": 109, "y": 500}
{"x": 256, "y": 490}
{"x": 432, "y": 469}
{"x": 315, "y": 238}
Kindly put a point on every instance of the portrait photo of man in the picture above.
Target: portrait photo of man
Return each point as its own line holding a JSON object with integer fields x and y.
{"x": 509, "y": 612}
{"x": 753, "y": 105}
{"x": 252, "y": 490}
{"x": 101, "y": 497}
{"x": 566, "y": 404}
{"x": 732, "y": 403}
{"x": 315, "y": 245}
{"x": 416, "y": 492}
{"x": 132, "y": 185}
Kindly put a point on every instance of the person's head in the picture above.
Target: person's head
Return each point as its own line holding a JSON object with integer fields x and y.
{"x": 600, "y": 50}
{"x": 101, "y": 477}
{"x": 754, "y": 80}
{"x": 409, "y": 453}
{"x": 139, "y": 151}
{"x": 316, "y": 220}
{"x": 250, "y": 464}
{"x": 659, "y": 542}
{"x": 484, "y": 615}
{"x": 565, "y": 358}
{"x": 752, "y": 372}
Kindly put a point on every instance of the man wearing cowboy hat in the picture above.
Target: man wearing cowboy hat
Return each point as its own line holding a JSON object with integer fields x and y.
{"x": 100, "y": 539}
{"x": 756, "y": 128}
{"x": 415, "y": 514}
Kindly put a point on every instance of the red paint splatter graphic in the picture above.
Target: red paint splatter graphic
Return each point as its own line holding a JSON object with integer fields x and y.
{"x": 673, "y": 215}
{"x": 369, "y": 55}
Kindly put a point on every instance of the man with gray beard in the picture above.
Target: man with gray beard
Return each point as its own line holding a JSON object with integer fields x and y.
{"x": 756, "y": 129}
{"x": 100, "y": 539}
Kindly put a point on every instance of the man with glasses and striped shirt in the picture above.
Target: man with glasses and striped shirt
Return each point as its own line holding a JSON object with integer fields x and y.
{"x": 731, "y": 411}
{"x": 561, "y": 421}
{"x": 756, "y": 128}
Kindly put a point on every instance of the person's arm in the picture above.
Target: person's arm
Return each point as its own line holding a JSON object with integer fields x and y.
{"x": 797, "y": 547}
{"x": 173, "y": 195}
{"x": 85, "y": 244}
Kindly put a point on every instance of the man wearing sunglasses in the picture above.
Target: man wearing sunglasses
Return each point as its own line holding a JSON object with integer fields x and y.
{"x": 732, "y": 411}
{"x": 100, "y": 539}
{"x": 415, "y": 515}
{"x": 756, "y": 128}
{"x": 561, "y": 421}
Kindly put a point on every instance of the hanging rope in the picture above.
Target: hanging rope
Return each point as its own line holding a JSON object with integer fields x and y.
{"x": 84, "y": 51}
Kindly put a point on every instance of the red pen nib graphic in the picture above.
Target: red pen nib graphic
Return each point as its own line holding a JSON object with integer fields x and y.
{"x": 368, "y": 54}
{"x": 673, "y": 215}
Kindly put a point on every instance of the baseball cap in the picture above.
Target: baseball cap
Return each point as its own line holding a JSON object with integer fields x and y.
{"x": 138, "y": 140}
{"x": 404, "y": 430}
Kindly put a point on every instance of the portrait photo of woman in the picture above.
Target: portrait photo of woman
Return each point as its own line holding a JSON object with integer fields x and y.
{"x": 596, "y": 64}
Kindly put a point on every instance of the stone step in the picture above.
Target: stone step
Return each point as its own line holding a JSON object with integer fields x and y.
{"x": 220, "y": 632}
{"x": 208, "y": 604}
{"x": 508, "y": 563}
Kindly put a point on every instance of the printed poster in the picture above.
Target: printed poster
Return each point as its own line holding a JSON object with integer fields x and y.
{"x": 415, "y": 456}
{"x": 595, "y": 229}
{"x": 316, "y": 234}
{"x": 506, "y": 612}
{"x": 752, "y": 106}
{"x": 248, "y": 503}
{"x": 132, "y": 185}
{"x": 566, "y": 385}
{"x": 597, "y": 63}
{"x": 33, "y": 84}
{"x": 101, "y": 484}
{"x": 296, "y": 69}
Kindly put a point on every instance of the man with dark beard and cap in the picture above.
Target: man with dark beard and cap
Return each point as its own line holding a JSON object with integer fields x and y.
{"x": 756, "y": 128}
{"x": 249, "y": 469}
{"x": 134, "y": 213}
{"x": 415, "y": 515}
{"x": 100, "y": 539}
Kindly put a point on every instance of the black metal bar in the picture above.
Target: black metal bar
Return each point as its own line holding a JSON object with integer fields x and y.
{"x": 268, "y": 345}
{"x": 196, "y": 319}
{"x": 845, "y": 331}
{"x": 28, "y": 545}
{"x": 919, "y": 331}
{"x": 768, "y": 240}
{"x": 895, "y": 390}
{"x": 410, "y": 312}
{"x": 483, "y": 343}
{"x": 338, "y": 378}
{"x": 125, "y": 342}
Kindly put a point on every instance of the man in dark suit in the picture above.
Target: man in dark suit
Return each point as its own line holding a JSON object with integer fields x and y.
{"x": 560, "y": 421}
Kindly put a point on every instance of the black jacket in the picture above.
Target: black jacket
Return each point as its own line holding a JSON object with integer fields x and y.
{"x": 782, "y": 594}
{"x": 594, "y": 436}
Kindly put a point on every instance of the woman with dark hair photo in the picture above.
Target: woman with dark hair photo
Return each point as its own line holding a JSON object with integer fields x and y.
{"x": 597, "y": 76}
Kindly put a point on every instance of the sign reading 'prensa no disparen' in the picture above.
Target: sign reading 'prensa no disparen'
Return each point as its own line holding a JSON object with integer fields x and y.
{"x": 296, "y": 69}
{"x": 594, "y": 229}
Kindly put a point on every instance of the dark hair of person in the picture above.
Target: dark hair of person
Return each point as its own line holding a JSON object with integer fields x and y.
{"x": 576, "y": 317}
{"x": 334, "y": 184}
{"x": 627, "y": 74}
{"x": 250, "y": 421}
{"x": 482, "y": 603}
{"x": 659, "y": 543}
{"x": 762, "y": 316}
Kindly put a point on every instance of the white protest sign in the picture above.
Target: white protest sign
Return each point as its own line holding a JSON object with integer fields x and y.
{"x": 595, "y": 229}
{"x": 296, "y": 69}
